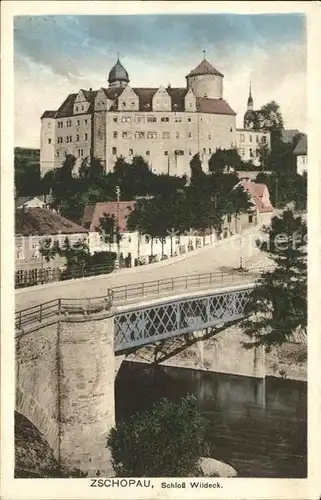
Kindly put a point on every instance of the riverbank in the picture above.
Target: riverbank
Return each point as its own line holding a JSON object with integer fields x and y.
{"x": 224, "y": 353}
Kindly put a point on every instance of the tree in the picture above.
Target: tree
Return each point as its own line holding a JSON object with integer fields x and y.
{"x": 223, "y": 158}
{"x": 279, "y": 303}
{"x": 164, "y": 442}
{"x": 269, "y": 119}
{"x": 27, "y": 172}
{"x": 107, "y": 229}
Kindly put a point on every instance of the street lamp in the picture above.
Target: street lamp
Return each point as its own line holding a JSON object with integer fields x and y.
{"x": 117, "y": 228}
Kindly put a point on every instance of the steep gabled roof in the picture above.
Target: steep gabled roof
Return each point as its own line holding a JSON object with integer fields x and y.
{"x": 40, "y": 222}
{"x": 204, "y": 68}
{"x": 66, "y": 109}
{"x": 302, "y": 146}
{"x": 92, "y": 214}
{"x": 215, "y": 106}
{"x": 48, "y": 114}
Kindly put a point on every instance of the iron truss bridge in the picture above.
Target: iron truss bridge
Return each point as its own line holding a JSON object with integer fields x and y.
{"x": 169, "y": 318}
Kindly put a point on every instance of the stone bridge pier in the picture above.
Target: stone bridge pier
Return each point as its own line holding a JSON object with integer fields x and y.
{"x": 65, "y": 376}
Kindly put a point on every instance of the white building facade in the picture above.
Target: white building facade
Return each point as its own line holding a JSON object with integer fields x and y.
{"x": 167, "y": 126}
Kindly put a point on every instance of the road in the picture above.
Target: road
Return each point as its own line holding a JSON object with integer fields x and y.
{"x": 223, "y": 255}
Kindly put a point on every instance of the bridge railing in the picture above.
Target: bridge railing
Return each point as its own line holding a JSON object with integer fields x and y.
{"x": 117, "y": 295}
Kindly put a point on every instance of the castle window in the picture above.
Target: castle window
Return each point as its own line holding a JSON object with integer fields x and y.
{"x": 204, "y": 150}
{"x": 86, "y": 137}
{"x": 139, "y": 119}
{"x": 57, "y": 154}
{"x": 210, "y": 136}
{"x": 78, "y": 123}
{"x": 76, "y": 108}
{"x": 251, "y": 152}
{"x": 140, "y": 135}
{"x": 125, "y": 135}
{"x": 250, "y": 218}
{"x": 115, "y": 118}
{"x": 177, "y": 135}
{"x": 77, "y": 138}
{"x": 165, "y": 119}
{"x": 189, "y": 134}
{"x": 165, "y": 135}
{"x": 80, "y": 152}
{"x": 114, "y": 150}
{"x": 124, "y": 104}
{"x": 242, "y": 137}
{"x": 257, "y": 139}
{"x": 166, "y": 153}
{"x": 147, "y": 153}
{"x": 231, "y": 129}
{"x": 232, "y": 144}
{"x": 229, "y": 218}
{"x": 125, "y": 119}
{"x": 86, "y": 121}
{"x": 189, "y": 119}
{"x": 49, "y": 141}
{"x": 209, "y": 150}
{"x": 60, "y": 124}
{"x": 82, "y": 108}
{"x": 68, "y": 123}
{"x": 250, "y": 138}
{"x": 131, "y": 152}
{"x": 179, "y": 152}
{"x": 151, "y": 118}
{"x": 178, "y": 119}
{"x": 115, "y": 134}
{"x": 264, "y": 139}
{"x": 190, "y": 152}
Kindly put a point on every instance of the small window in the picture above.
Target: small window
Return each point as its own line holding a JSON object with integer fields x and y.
{"x": 257, "y": 139}
{"x": 115, "y": 135}
{"x": 229, "y": 218}
{"x": 115, "y": 118}
{"x": 57, "y": 154}
{"x": 78, "y": 123}
{"x": 82, "y": 108}
{"x": 251, "y": 152}
{"x": 124, "y": 104}
{"x": 76, "y": 108}
{"x": 77, "y": 138}
{"x": 165, "y": 119}
{"x": 189, "y": 134}
{"x": 210, "y": 150}
{"x": 250, "y": 138}
{"x": 242, "y": 138}
{"x": 264, "y": 139}
{"x": 129, "y": 239}
{"x": 204, "y": 150}
{"x": 151, "y": 118}
{"x": 131, "y": 152}
{"x": 147, "y": 239}
{"x": 189, "y": 119}
{"x": 147, "y": 153}
{"x": 178, "y": 119}
{"x": 250, "y": 218}
{"x": 114, "y": 151}
{"x": 86, "y": 121}
{"x": 190, "y": 152}
{"x": 19, "y": 252}
{"x": 177, "y": 135}
{"x": 210, "y": 136}
{"x": 49, "y": 141}
{"x": 86, "y": 137}
{"x": 232, "y": 144}
{"x": 231, "y": 129}
{"x": 166, "y": 153}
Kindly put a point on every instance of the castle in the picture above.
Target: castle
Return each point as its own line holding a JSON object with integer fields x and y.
{"x": 166, "y": 126}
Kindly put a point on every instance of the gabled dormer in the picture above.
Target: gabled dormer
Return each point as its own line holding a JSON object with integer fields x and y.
{"x": 190, "y": 101}
{"x": 162, "y": 100}
{"x": 81, "y": 104}
{"x": 128, "y": 100}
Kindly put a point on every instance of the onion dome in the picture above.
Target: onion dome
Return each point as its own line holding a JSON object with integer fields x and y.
{"x": 118, "y": 73}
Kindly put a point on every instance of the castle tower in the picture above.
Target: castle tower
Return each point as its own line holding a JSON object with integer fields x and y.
{"x": 249, "y": 114}
{"x": 206, "y": 81}
{"x": 118, "y": 76}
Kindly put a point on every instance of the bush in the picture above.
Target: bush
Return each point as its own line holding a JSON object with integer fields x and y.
{"x": 166, "y": 441}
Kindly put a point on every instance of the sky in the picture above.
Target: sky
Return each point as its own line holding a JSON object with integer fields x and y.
{"x": 57, "y": 55}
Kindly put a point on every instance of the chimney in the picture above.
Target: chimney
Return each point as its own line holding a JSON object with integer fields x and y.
{"x": 90, "y": 89}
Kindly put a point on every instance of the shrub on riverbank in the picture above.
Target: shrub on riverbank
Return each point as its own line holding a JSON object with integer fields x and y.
{"x": 167, "y": 441}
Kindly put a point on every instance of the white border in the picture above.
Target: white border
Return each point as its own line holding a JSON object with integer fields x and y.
{"x": 232, "y": 488}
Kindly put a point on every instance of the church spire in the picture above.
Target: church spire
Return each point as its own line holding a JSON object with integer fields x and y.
{"x": 250, "y": 98}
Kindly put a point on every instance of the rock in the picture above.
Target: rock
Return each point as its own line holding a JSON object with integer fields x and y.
{"x": 214, "y": 468}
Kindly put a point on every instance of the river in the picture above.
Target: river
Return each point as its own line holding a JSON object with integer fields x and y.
{"x": 259, "y": 436}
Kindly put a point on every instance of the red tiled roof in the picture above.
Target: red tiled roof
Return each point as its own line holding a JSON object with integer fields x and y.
{"x": 40, "y": 221}
{"x": 204, "y": 68}
{"x": 256, "y": 192}
{"x": 216, "y": 106}
{"x": 93, "y": 213}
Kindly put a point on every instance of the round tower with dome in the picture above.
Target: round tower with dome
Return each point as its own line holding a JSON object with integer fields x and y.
{"x": 118, "y": 76}
{"x": 205, "y": 81}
